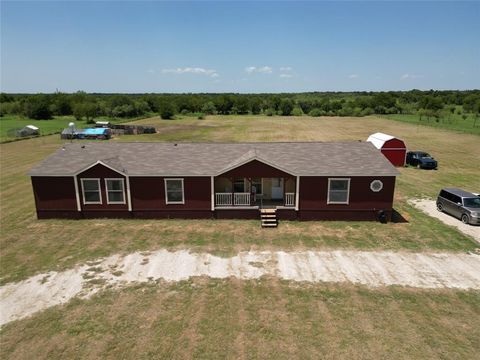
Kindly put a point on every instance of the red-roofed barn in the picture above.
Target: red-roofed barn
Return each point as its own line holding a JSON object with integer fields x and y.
{"x": 394, "y": 149}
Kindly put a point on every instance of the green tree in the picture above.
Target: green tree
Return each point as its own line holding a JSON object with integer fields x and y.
{"x": 286, "y": 107}
{"x": 209, "y": 108}
{"x": 166, "y": 110}
{"x": 38, "y": 107}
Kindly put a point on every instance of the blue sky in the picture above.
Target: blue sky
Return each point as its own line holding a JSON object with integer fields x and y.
{"x": 238, "y": 46}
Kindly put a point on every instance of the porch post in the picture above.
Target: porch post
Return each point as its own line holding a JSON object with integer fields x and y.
{"x": 212, "y": 190}
{"x": 232, "y": 180}
{"x": 284, "y": 187}
{"x": 297, "y": 192}
{"x": 250, "y": 187}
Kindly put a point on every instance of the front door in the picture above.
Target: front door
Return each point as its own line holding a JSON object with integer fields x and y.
{"x": 277, "y": 188}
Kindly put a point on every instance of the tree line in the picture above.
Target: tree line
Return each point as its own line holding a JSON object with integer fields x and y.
{"x": 88, "y": 106}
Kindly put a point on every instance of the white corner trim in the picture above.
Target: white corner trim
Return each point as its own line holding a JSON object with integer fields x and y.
{"x": 129, "y": 197}
{"x": 348, "y": 192}
{"x": 166, "y": 195}
{"x": 123, "y": 191}
{"x": 77, "y": 195}
{"x": 212, "y": 192}
{"x": 99, "y": 192}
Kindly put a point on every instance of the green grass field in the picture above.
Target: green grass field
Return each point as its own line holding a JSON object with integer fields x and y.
{"x": 454, "y": 122}
{"x": 266, "y": 318}
{"x": 8, "y": 123}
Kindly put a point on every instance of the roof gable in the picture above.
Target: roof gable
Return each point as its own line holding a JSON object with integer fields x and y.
{"x": 249, "y": 156}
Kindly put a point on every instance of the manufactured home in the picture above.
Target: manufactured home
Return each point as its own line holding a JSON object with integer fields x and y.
{"x": 298, "y": 180}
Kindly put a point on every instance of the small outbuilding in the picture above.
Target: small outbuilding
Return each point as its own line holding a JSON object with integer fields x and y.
{"x": 393, "y": 148}
{"x": 29, "y": 130}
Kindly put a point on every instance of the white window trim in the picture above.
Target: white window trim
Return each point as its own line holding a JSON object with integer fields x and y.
{"x": 166, "y": 194}
{"x": 348, "y": 192}
{"x": 123, "y": 191}
{"x": 99, "y": 191}
{"x": 376, "y": 181}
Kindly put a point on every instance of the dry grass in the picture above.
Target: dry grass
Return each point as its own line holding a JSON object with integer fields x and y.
{"x": 267, "y": 319}
{"x": 29, "y": 246}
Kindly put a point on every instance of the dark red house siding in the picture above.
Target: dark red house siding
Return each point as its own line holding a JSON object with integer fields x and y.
{"x": 255, "y": 169}
{"x": 54, "y": 197}
{"x": 363, "y": 202}
{"x": 104, "y": 209}
{"x": 148, "y": 198}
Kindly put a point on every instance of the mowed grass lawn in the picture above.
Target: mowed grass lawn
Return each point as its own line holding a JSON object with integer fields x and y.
{"x": 265, "y": 318}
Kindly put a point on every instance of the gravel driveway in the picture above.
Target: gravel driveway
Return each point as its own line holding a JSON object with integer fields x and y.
{"x": 373, "y": 269}
{"x": 430, "y": 207}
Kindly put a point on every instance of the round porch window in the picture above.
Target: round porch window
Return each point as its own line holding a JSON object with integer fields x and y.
{"x": 376, "y": 185}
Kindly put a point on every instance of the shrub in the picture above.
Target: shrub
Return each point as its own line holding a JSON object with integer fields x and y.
{"x": 200, "y": 116}
{"x": 270, "y": 112}
{"x": 316, "y": 112}
{"x": 297, "y": 111}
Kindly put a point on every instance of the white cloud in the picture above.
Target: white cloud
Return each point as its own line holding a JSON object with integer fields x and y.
{"x": 191, "y": 70}
{"x": 286, "y": 69}
{"x": 353, "y": 76}
{"x": 286, "y": 75}
{"x": 151, "y": 71}
{"x": 214, "y": 75}
{"x": 410, "y": 76}
{"x": 261, "y": 70}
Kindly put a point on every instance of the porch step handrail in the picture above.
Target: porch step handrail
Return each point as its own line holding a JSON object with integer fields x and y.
{"x": 289, "y": 199}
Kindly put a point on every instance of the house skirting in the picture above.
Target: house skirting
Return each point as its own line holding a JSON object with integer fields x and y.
{"x": 282, "y": 214}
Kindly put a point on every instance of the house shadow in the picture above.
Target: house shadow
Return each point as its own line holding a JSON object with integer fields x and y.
{"x": 397, "y": 218}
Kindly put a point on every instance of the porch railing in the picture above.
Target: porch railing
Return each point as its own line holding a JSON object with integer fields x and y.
{"x": 239, "y": 199}
{"x": 223, "y": 199}
{"x": 289, "y": 199}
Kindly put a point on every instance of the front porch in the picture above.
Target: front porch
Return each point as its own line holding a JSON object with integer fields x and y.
{"x": 259, "y": 193}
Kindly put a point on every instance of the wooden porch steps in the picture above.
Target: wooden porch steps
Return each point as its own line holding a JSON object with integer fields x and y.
{"x": 268, "y": 217}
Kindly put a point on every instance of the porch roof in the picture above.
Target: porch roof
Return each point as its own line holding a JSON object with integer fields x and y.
{"x": 353, "y": 158}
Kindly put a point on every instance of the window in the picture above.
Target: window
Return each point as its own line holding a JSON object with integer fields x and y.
{"x": 376, "y": 185}
{"x": 115, "y": 191}
{"x": 239, "y": 185}
{"x": 174, "y": 191}
{"x": 91, "y": 191}
{"x": 258, "y": 186}
{"x": 338, "y": 191}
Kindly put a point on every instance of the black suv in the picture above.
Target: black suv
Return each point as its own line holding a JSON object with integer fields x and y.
{"x": 461, "y": 204}
{"x": 421, "y": 160}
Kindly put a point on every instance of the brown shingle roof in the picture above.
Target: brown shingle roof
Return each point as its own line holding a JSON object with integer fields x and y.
{"x": 352, "y": 158}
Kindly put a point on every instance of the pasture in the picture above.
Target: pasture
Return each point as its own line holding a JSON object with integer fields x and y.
{"x": 265, "y": 318}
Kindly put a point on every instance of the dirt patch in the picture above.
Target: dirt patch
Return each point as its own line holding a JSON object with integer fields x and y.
{"x": 430, "y": 207}
{"x": 374, "y": 269}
